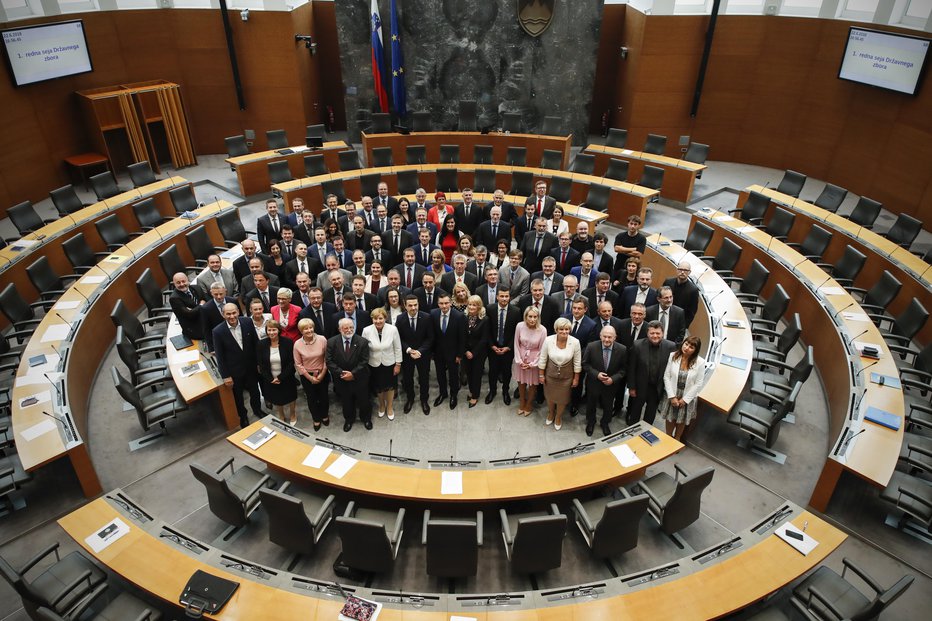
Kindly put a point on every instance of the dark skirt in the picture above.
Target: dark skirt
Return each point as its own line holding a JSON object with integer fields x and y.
{"x": 283, "y": 393}
{"x": 383, "y": 378}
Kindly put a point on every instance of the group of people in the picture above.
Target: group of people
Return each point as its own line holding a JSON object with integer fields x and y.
{"x": 360, "y": 296}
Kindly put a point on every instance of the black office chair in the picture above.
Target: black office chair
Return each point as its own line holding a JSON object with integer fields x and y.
{"x": 876, "y": 299}
{"x": 276, "y": 139}
{"x": 598, "y": 197}
{"x": 551, "y": 159}
{"x": 446, "y": 180}
{"x": 617, "y": 138}
{"x": 815, "y": 243}
{"x": 335, "y": 186}
{"x": 912, "y": 496}
{"x": 112, "y": 233}
{"x": 297, "y": 520}
{"x": 449, "y": 154}
{"x": 21, "y": 314}
{"x": 551, "y": 125}
{"x": 617, "y": 169}
{"x": 468, "y": 117}
{"x": 584, "y": 164}
{"x": 792, "y": 183}
{"x": 752, "y": 284}
{"x": 511, "y": 122}
{"x": 315, "y": 165}
{"x": 768, "y": 387}
{"x": 140, "y": 173}
{"x": 765, "y": 325}
{"x": 370, "y": 538}
{"x": 143, "y": 363}
{"x": 49, "y": 284}
{"x": 408, "y": 182}
{"x": 522, "y": 183}
{"x": 831, "y": 198}
{"x": 484, "y": 181}
{"x": 349, "y": 160}
{"x": 316, "y": 131}
{"x": 236, "y": 146}
{"x": 80, "y": 255}
{"x": 865, "y": 212}
{"x": 452, "y": 544}
{"x": 152, "y": 408}
{"x": 904, "y": 231}
{"x": 516, "y": 156}
{"x": 786, "y": 341}
{"x": 231, "y": 227}
{"x": 148, "y": 215}
{"x": 141, "y": 332}
{"x": 753, "y": 209}
{"x": 279, "y": 172}
{"x": 652, "y": 177}
{"x": 122, "y": 607}
{"x": 904, "y": 327}
{"x": 420, "y": 122}
{"x": 697, "y": 153}
{"x": 919, "y": 375}
{"x": 826, "y": 595}
{"x": 381, "y": 157}
{"x": 780, "y": 223}
{"x": 610, "y": 525}
{"x": 916, "y": 453}
{"x": 534, "y": 541}
{"x": 25, "y": 219}
{"x": 763, "y": 422}
{"x": 482, "y": 154}
{"x": 232, "y": 498}
{"x": 200, "y": 245}
{"x": 172, "y": 264}
{"x": 381, "y": 123}
{"x": 153, "y": 296}
{"x": 66, "y": 200}
{"x": 847, "y": 268}
{"x": 725, "y": 260}
{"x": 698, "y": 238}
{"x": 183, "y": 199}
{"x": 369, "y": 184}
{"x": 560, "y": 188}
{"x": 673, "y": 501}
{"x": 415, "y": 154}
{"x": 655, "y": 144}
{"x": 104, "y": 185}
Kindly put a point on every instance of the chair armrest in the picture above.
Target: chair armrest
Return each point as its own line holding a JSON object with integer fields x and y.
{"x": 326, "y": 508}
{"x": 480, "y": 524}
{"x": 753, "y": 303}
{"x": 813, "y": 592}
{"x": 424, "y": 527}
{"x": 255, "y": 488}
{"x": 911, "y": 448}
{"x": 554, "y": 509}
{"x": 770, "y": 351}
{"x": 152, "y": 382}
{"x": 754, "y": 418}
{"x": 679, "y": 470}
{"x": 153, "y": 369}
{"x": 861, "y": 574}
{"x": 84, "y": 604}
{"x": 151, "y": 349}
{"x": 775, "y": 363}
{"x": 152, "y": 321}
{"x": 872, "y": 309}
{"x": 582, "y": 516}
{"x": 69, "y": 588}
{"x": 653, "y": 498}
{"x": 506, "y": 529}
{"x": 777, "y": 386}
{"x": 350, "y": 509}
{"x": 41, "y": 555}
{"x": 399, "y": 525}
{"x": 856, "y": 290}
{"x": 10, "y": 366}
{"x": 896, "y": 337}
{"x": 157, "y": 404}
{"x": 902, "y": 351}
{"x": 918, "y": 499}
{"x": 225, "y": 464}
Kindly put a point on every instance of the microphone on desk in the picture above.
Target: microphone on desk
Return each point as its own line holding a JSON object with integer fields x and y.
{"x": 63, "y": 319}
{"x": 722, "y": 318}
{"x": 851, "y": 340}
{"x": 53, "y": 384}
{"x": 717, "y": 293}
{"x": 78, "y": 291}
{"x": 798, "y": 264}
{"x": 59, "y": 419}
{"x": 514, "y": 459}
{"x": 863, "y": 368}
{"x": 769, "y": 242}
{"x": 857, "y": 405}
{"x": 827, "y": 278}
{"x": 852, "y": 437}
{"x": 838, "y": 312}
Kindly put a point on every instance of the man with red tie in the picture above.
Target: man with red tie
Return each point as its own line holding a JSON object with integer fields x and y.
{"x": 543, "y": 204}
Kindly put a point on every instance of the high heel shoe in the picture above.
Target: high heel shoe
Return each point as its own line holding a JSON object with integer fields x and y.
{"x": 473, "y": 402}
{"x": 326, "y": 422}
{"x": 558, "y": 425}
{"x": 316, "y": 426}
{"x": 549, "y": 421}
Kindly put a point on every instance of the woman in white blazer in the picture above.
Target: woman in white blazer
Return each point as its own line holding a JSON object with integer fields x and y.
{"x": 384, "y": 359}
{"x": 682, "y": 380}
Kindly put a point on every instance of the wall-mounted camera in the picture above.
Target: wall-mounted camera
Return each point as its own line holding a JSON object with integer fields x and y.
{"x": 309, "y": 42}
{"x": 244, "y": 15}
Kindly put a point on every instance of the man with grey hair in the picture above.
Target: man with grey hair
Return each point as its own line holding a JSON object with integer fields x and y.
{"x": 605, "y": 362}
{"x": 235, "y": 343}
{"x": 210, "y": 313}
{"x": 495, "y": 228}
{"x": 215, "y": 272}
{"x": 348, "y": 364}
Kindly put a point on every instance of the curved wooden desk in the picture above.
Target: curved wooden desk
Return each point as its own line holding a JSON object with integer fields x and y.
{"x": 882, "y": 254}
{"x": 252, "y": 170}
{"x": 48, "y": 240}
{"x": 679, "y": 176}
{"x": 86, "y": 307}
{"x": 499, "y": 141}
{"x": 726, "y": 578}
{"x": 832, "y": 318}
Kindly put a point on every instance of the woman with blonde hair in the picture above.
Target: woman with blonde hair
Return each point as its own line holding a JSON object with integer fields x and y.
{"x": 276, "y": 366}
{"x": 559, "y": 366}
{"x": 310, "y": 354}
{"x": 384, "y": 359}
{"x": 477, "y": 346}
{"x": 437, "y": 266}
{"x": 460, "y": 296}
{"x": 529, "y": 338}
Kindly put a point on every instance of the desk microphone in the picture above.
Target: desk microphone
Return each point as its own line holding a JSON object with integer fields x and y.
{"x": 838, "y": 312}
{"x": 63, "y": 319}
{"x": 865, "y": 367}
{"x": 848, "y": 441}
{"x": 769, "y": 242}
{"x": 53, "y": 384}
{"x": 78, "y": 291}
{"x": 827, "y": 278}
{"x": 857, "y": 405}
{"x": 798, "y": 264}
{"x": 60, "y": 420}
{"x": 717, "y": 293}
{"x": 722, "y": 318}
{"x": 851, "y": 340}
{"x": 514, "y": 459}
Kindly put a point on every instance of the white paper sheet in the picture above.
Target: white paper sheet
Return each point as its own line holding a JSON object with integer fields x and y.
{"x": 725, "y": 218}
{"x": 625, "y": 455}
{"x": 451, "y": 483}
{"x": 341, "y": 466}
{"x": 317, "y": 456}
{"x": 57, "y": 332}
{"x": 30, "y": 380}
{"x": 627, "y": 151}
{"x": 67, "y": 304}
{"x": 184, "y": 357}
{"x": 92, "y": 280}
{"x": 31, "y": 433}
{"x": 22, "y": 244}
{"x": 807, "y": 545}
{"x": 106, "y": 534}
{"x": 832, "y": 291}
{"x": 856, "y": 316}
{"x": 462, "y": 618}
{"x": 747, "y": 229}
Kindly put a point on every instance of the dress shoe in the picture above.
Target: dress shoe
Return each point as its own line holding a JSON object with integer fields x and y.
{"x": 453, "y": 402}
{"x": 326, "y": 422}
{"x": 549, "y": 421}
{"x": 489, "y": 398}
{"x": 557, "y": 426}
{"x": 589, "y": 429}
{"x": 439, "y": 400}
{"x": 408, "y": 406}
{"x": 473, "y": 402}
{"x": 574, "y": 411}
{"x": 426, "y": 407}
{"x": 391, "y": 415}
{"x": 347, "y": 426}
{"x": 506, "y": 397}
{"x": 606, "y": 429}
{"x": 368, "y": 425}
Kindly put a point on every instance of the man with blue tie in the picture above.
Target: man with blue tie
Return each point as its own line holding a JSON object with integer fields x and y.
{"x": 605, "y": 363}
{"x": 211, "y": 312}
{"x": 235, "y": 343}
{"x": 417, "y": 341}
{"x": 348, "y": 364}
{"x": 503, "y": 319}
{"x": 450, "y": 337}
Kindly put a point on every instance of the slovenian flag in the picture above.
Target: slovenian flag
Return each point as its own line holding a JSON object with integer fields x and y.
{"x": 378, "y": 58}
{"x": 398, "y": 67}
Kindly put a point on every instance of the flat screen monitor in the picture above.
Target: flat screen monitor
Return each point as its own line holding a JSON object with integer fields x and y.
{"x": 884, "y": 59}
{"x": 47, "y": 51}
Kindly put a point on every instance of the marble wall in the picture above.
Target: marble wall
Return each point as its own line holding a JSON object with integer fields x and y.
{"x": 476, "y": 49}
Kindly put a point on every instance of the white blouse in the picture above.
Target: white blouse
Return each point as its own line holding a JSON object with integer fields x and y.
{"x": 559, "y": 356}
{"x": 384, "y": 349}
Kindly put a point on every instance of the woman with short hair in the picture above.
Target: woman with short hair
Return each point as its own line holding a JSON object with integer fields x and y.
{"x": 384, "y": 359}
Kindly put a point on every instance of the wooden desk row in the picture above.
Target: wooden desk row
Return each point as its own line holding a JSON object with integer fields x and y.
{"x": 252, "y": 170}
{"x": 74, "y": 354}
{"x": 626, "y": 199}
{"x": 159, "y": 560}
{"x": 679, "y": 176}
{"x": 882, "y": 254}
{"x": 832, "y": 319}
{"x": 48, "y": 240}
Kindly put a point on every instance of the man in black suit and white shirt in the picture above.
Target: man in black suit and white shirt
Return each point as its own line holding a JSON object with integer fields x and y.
{"x": 389, "y": 202}
{"x": 397, "y": 239}
{"x": 508, "y": 209}
{"x": 545, "y": 305}
{"x": 304, "y": 230}
{"x": 319, "y": 311}
{"x": 489, "y": 232}
{"x": 377, "y": 252}
{"x": 543, "y": 204}
{"x": 605, "y": 362}
{"x": 671, "y": 317}
{"x": 459, "y": 274}
{"x": 489, "y": 291}
{"x": 634, "y": 327}
{"x": 503, "y": 319}
{"x": 211, "y": 312}
{"x": 241, "y": 267}
{"x": 235, "y": 342}
{"x": 417, "y": 342}
{"x": 301, "y": 264}
{"x": 449, "y": 326}
{"x": 269, "y": 226}
{"x": 184, "y": 302}
{"x": 536, "y": 245}
{"x": 262, "y": 291}
{"x": 685, "y": 291}
{"x": 646, "y": 364}
{"x": 409, "y": 270}
{"x": 524, "y": 224}
{"x": 601, "y": 292}
{"x": 642, "y": 292}
{"x": 468, "y": 214}
{"x": 332, "y": 210}
{"x": 478, "y": 265}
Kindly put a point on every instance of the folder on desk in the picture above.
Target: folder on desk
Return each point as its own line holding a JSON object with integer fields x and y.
{"x": 882, "y": 418}
{"x": 180, "y": 341}
{"x": 804, "y": 546}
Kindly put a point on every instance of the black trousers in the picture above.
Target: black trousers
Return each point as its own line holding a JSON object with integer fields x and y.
{"x": 408, "y": 365}
{"x": 249, "y": 382}
{"x": 448, "y": 371}
{"x": 354, "y": 396}
{"x": 649, "y": 403}
{"x": 600, "y": 397}
{"x": 500, "y": 368}
{"x": 318, "y": 397}
{"x": 475, "y": 369}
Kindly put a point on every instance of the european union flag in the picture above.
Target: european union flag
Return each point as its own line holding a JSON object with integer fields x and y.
{"x": 398, "y": 67}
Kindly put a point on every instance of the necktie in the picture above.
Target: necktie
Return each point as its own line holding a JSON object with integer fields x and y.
{"x": 302, "y": 267}
{"x": 467, "y": 211}
{"x": 265, "y": 298}
{"x": 663, "y": 322}
{"x": 305, "y": 299}
{"x": 547, "y": 286}
{"x": 501, "y": 327}
{"x": 568, "y": 307}
{"x": 396, "y": 243}
{"x": 346, "y": 347}
{"x": 540, "y": 209}
{"x": 320, "y": 318}
{"x": 601, "y": 298}
{"x": 634, "y": 332}
{"x": 288, "y": 249}
{"x": 413, "y": 325}
{"x": 377, "y": 256}
{"x": 530, "y": 223}
{"x": 338, "y": 297}
{"x": 381, "y": 225}
{"x": 443, "y": 324}
{"x": 537, "y": 243}
{"x": 275, "y": 224}
{"x": 563, "y": 260}
{"x": 190, "y": 294}
{"x": 606, "y": 355}
{"x": 605, "y": 323}
{"x": 575, "y": 325}
{"x": 410, "y": 280}
{"x": 361, "y": 303}
{"x": 424, "y": 255}
{"x": 537, "y": 305}
{"x": 430, "y": 299}
{"x": 495, "y": 231}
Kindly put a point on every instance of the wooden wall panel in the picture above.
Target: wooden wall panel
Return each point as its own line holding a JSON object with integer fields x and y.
{"x": 328, "y": 54}
{"x": 607, "y": 61}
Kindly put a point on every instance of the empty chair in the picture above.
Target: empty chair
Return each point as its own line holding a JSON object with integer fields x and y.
{"x": 446, "y": 180}
{"x": 172, "y": 264}
{"x": 598, "y": 196}
{"x": 80, "y": 255}
{"x": 675, "y": 501}
{"x": 25, "y": 219}
{"x": 786, "y": 341}
{"x": 516, "y": 156}
{"x": 482, "y": 154}
{"x": 616, "y": 138}
{"x": 768, "y": 387}
{"x": 560, "y": 188}
{"x": 697, "y": 153}
{"x": 415, "y": 154}
{"x": 727, "y": 257}
{"x": 20, "y": 314}
{"x": 919, "y": 377}
{"x": 382, "y": 156}
{"x": 449, "y": 154}
{"x": 140, "y": 173}
{"x": 231, "y": 227}
{"x": 452, "y": 545}
{"x": 792, "y": 183}
{"x": 780, "y": 223}
{"x": 522, "y": 183}
{"x": 381, "y": 123}
{"x": 655, "y": 144}
{"x": 831, "y": 198}
{"x": 534, "y": 541}
{"x": 66, "y": 200}
{"x": 511, "y": 122}
{"x": 753, "y": 209}
{"x": 200, "y": 245}
{"x": 183, "y": 199}
{"x": 297, "y": 521}
{"x": 753, "y": 282}
{"x": 276, "y": 139}
{"x": 279, "y": 172}
{"x": 111, "y": 231}
{"x": 815, "y": 243}
{"x": 49, "y": 284}
{"x": 617, "y": 169}
{"x": 847, "y": 268}
{"x": 236, "y": 146}
{"x": 315, "y": 131}
{"x": 762, "y": 422}
{"x": 315, "y": 165}
{"x": 912, "y": 496}
{"x": 148, "y": 215}
{"x": 865, "y": 212}
{"x": 916, "y": 452}
{"x": 370, "y": 537}
{"x": 551, "y": 159}
{"x": 104, "y": 185}
{"x": 652, "y": 177}
{"x": 826, "y": 595}
{"x": 152, "y": 408}
{"x": 770, "y": 313}
{"x": 698, "y": 238}
{"x": 123, "y": 606}
{"x": 584, "y": 164}
{"x": 420, "y": 122}
{"x": 550, "y": 126}
{"x": 468, "y": 121}
{"x": 232, "y": 498}
{"x": 408, "y": 182}
{"x": 141, "y": 332}
{"x": 876, "y": 299}
{"x": 335, "y": 186}
{"x": 610, "y": 526}
{"x": 904, "y": 231}
{"x": 152, "y": 295}
{"x": 484, "y": 181}
{"x": 142, "y": 367}
{"x": 349, "y": 160}
{"x": 905, "y": 326}
{"x": 369, "y": 184}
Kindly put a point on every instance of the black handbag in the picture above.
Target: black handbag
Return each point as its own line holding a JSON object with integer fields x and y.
{"x": 206, "y": 593}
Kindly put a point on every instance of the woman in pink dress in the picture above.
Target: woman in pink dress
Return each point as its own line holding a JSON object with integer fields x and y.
{"x": 529, "y": 338}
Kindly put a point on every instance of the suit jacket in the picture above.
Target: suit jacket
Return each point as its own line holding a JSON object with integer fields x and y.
{"x": 391, "y": 204}
{"x": 210, "y": 317}
{"x": 695, "y": 377}
{"x": 676, "y": 322}
{"x": 556, "y": 281}
{"x": 572, "y": 259}
{"x": 370, "y": 301}
{"x": 327, "y": 310}
{"x": 419, "y": 253}
{"x": 520, "y": 228}
{"x": 532, "y": 260}
{"x": 592, "y": 295}
{"x": 639, "y": 377}
{"x": 548, "y": 205}
{"x": 512, "y": 319}
{"x": 362, "y": 320}
{"x": 297, "y": 299}
{"x": 470, "y": 224}
{"x": 484, "y": 236}
{"x": 323, "y": 279}
{"x": 421, "y": 294}
{"x": 231, "y": 360}
{"x": 289, "y": 330}
{"x": 384, "y": 350}
{"x": 452, "y": 343}
{"x": 254, "y": 293}
{"x": 686, "y": 296}
{"x": 313, "y": 251}
{"x": 549, "y": 311}
{"x": 359, "y": 242}
{"x": 325, "y": 214}
{"x": 331, "y": 297}
{"x": 421, "y": 338}
{"x": 285, "y": 352}
{"x": 449, "y": 279}
{"x": 417, "y": 271}
{"x": 483, "y": 292}
{"x": 414, "y": 227}
{"x": 205, "y": 279}
{"x": 586, "y": 332}
{"x": 356, "y": 363}
{"x": 614, "y": 322}
{"x": 382, "y": 295}
{"x": 265, "y": 232}
{"x": 405, "y": 240}
{"x": 560, "y": 298}
{"x": 246, "y": 284}
{"x": 577, "y": 272}
{"x": 304, "y": 234}
{"x": 628, "y": 296}
{"x": 387, "y": 258}
{"x": 583, "y": 246}
{"x": 477, "y": 338}
{"x": 292, "y": 271}
{"x": 593, "y": 364}
{"x": 345, "y": 259}
{"x": 624, "y": 333}
{"x": 605, "y": 264}
{"x": 518, "y": 285}
{"x": 185, "y": 308}
{"x": 472, "y": 266}
{"x": 241, "y": 266}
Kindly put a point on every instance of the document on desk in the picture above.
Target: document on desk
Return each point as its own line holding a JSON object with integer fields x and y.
{"x": 747, "y": 229}
{"x": 833, "y": 291}
{"x": 67, "y": 304}
{"x": 58, "y": 332}
{"x": 625, "y": 455}
{"x": 451, "y": 483}
{"x": 116, "y": 258}
{"x": 341, "y": 466}
{"x": 184, "y": 357}
{"x": 92, "y": 280}
{"x": 31, "y": 433}
{"x": 23, "y": 244}
{"x": 317, "y": 456}
{"x": 107, "y": 534}
{"x": 258, "y": 438}
{"x": 850, "y": 316}
{"x": 804, "y": 546}
{"x": 193, "y": 369}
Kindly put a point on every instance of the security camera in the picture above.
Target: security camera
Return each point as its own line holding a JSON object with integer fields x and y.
{"x": 244, "y": 15}
{"x": 308, "y": 42}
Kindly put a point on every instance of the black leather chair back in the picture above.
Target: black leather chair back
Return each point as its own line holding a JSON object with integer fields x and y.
{"x": 349, "y": 160}
{"x": 682, "y": 509}
{"x": 511, "y": 122}
{"x": 222, "y": 501}
{"x": 452, "y": 548}
{"x": 538, "y": 544}
{"x": 522, "y": 183}
{"x": 617, "y": 138}
{"x": 584, "y": 164}
{"x": 446, "y": 180}
{"x": 697, "y": 153}
{"x": 560, "y": 188}
{"x": 551, "y": 159}
{"x": 276, "y": 139}
{"x": 365, "y": 544}
{"x": 111, "y": 231}
{"x": 43, "y": 278}
{"x": 484, "y": 181}
{"x": 335, "y": 187}
{"x": 24, "y": 218}
{"x": 617, "y": 531}
{"x": 381, "y": 123}
{"x": 141, "y": 173}
{"x": 449, "y": 154}
{"x": 104, "y": 185}
{"x": 315, "y": 165}
{"x": 147, "y": 214}
{"x": 482, "y": 154}
{"x": 865, "y": 212}
{"x": 792, "y": 183}
{"x": 551, "y": 125}
{"x": 728, "y": 256}
{"x": 231, "y": 227}
{"x": 289, "y": 525}
{"x": 754, "y": 281}
{"x": 516, "y": 156}
{"x": 420, "y": 122}
{"x": 236, "y": 146}
{"x": 279, "y": 172}
{"x": 183, "y": 199}
{"x": 617, "y": 169}
{"x": 831, "y": 197}
{"x": 369, "y": 184}
{"x": 415, "y": 154}
{"x": 79, "y": 253}
{"x": 597, "y": 198}
{"x": 655, "y": 144}
{"x": 66, "y": 200}
{"x": 408, "y": 182}
{"x": 468, "y": 116}
{"x": 651, "y": 177}
{"x": 171, "y": 262}
{"x": 699, "y": 238}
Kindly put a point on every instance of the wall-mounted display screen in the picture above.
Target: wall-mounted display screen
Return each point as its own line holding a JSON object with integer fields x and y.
{"x": 47, "y": 51}
{"x": 884, "y": 59}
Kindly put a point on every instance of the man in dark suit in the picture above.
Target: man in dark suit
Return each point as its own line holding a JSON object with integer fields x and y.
{"x": 344, "y": 256}
{"x": 642, "y": 292}
{"x": 424, "y": 248}
{"x": 508, "y": 209}
{"x": 421, "y": 222}
{"x": 459, "y": 274}
{"x": 350, "y": 311}
{"x": 210, "y": 313}
{"x": 585, "y": 272}
{"x": 522, "y": 225}
{"x": 319, "y": 311}
{"x": 384, "y": 200}
{"x": 537, "y": 245}
{"x": 397, "y": 239}
{"x": 348, "y": 365}
{"x": 321, "y": 247}
{"x": 604, "y": 317}
{"x": 565, "y": 298}
{"x": 601, "y": 292}
{"x": 685, "y": 291}
{"x": 671, "y": 317}
{"x": 478, "y": 265}
{"x": 288, "y": 242}
{"x": 241, "y": 267}
{"x": 503, "y": 319}
{"x": 377, "y": 252}
{"x": 428, "y": 293}
{"x": 345, "y": 224}
{"x": 566, "y": 257}
{"x": 331, "y": 209}
{"x": 553, "y": 282}
{"x": 585, "y": 331}
{"x": 543, "y": 204}
{"x": 468, "y": 214}
{"x": 365, "y": 302}
{"x": 247, "y": 284}
{"x": 602, "y": 261}
{"x": 360, "y": 238}
{"x": 409, "y": 270}
{"x": 634, "y": 327}
{"x": 495, "y": 228}
{"x": 417, "y": 342}
{"x": 296, "y": 216}
{"x": 262, "y": 291}
{"x": 301, "y": 264}
{"x": 545, "y": 305}
{"x": 394, "y": 280}
{"x": 235, "y": 343}
{"x": 489, "y": 291}
{"x": 605, "y": 363}
{"x": 184, "y": 302}
{"x": 449, "y": 326}
{"x": 304, "y": 230}
{"x": 646, "y": 365}
{"x": 301, "y": 296}
{"x": 269, "y": 226}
